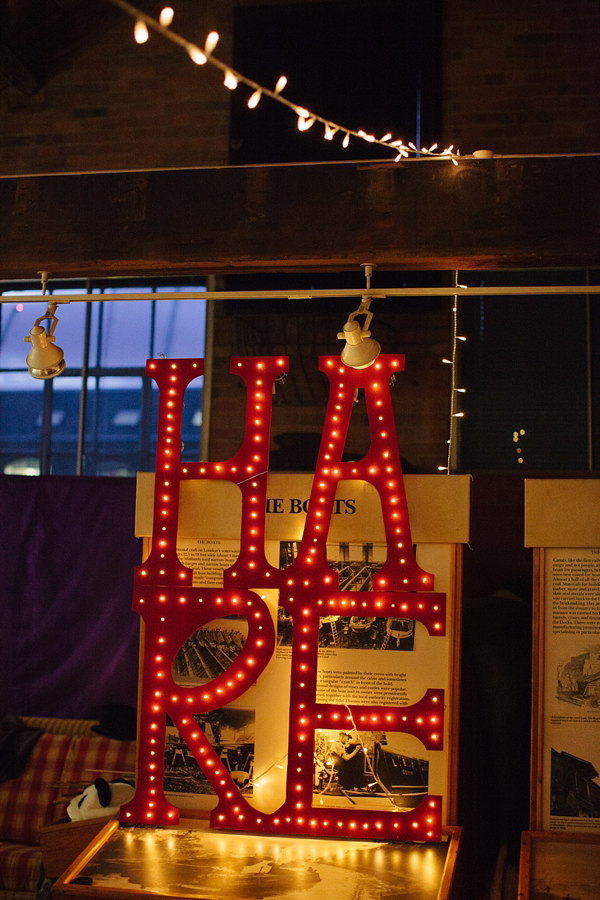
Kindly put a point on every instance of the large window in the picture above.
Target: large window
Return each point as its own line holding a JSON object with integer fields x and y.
{"x": 530, "y": 369}
{"x": 99, "y": 416}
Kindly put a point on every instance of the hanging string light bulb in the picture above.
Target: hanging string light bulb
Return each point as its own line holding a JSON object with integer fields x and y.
{"x": 166, "y": 16}
{"x": 305, "y": 124}
{"x": 211, "y": 42}
{"x": 196, "y": 55}
{"x": 254, "y": 99}
{"x": 230, "y": 81}
{"x": 140, "y": 32}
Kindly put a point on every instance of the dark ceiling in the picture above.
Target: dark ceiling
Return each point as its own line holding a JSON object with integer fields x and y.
{"x": 39, "y": 37}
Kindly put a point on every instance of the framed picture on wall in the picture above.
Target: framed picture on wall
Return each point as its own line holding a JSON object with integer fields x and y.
{"x": 563, "y": 527}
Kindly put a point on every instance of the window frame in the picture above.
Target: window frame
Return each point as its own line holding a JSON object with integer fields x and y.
{"x": 102, "y": 291}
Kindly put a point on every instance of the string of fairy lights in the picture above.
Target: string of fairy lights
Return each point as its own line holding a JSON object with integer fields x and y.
{"x": 452, "y": 361}
{"x": 203, "y": 55}
{"x": 305, "y": 118}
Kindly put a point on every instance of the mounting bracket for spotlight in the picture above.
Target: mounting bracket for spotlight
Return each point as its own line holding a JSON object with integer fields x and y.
{"x": 368, "y": 267}
{"x": 361, "y": 350}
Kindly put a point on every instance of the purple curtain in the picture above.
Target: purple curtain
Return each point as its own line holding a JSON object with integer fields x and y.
{"x": 68, "y": 634}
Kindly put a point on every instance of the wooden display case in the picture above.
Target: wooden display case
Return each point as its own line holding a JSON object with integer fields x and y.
{"x": 62, "y": 842}
{"x": 558, "y": 865}
{"x": 191, "y": 861}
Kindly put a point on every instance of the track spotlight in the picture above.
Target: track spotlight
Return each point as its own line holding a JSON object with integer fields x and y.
{"x": 361, "y": 350}
{"x": 45, "y": 359}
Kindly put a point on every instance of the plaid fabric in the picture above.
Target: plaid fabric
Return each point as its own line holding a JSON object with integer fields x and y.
{"x": 27, "y": 803}
{"x": 20, "y": 867}
{"x": 60, "y": 726}
{"x": 91, "y": 757}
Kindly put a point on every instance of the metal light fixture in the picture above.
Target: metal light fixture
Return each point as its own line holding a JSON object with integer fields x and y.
{"x": 360, "y": 350}
{"x": 45, "y": 359}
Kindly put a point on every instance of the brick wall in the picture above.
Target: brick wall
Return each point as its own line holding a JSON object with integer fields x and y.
{"x": 517, "y": 78}
{"x": 111, "y": 104}
{"x": 522, "y": 77}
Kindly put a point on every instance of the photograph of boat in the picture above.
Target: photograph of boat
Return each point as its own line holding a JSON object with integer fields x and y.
{"x": 358, "y": 768}
{"x": 578, "y": 679}
{"x": 209, "y": 652}
{"x": 355, "y": 563}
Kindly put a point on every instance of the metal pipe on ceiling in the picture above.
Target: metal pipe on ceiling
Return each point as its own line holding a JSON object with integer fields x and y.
{"x": 317, "y": 294}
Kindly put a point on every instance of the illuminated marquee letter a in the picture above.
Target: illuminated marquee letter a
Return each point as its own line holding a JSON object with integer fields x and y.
{"x": 400, "y": 589}
{"x": 380, "y": 467}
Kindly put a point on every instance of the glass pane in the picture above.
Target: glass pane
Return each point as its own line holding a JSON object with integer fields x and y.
{"x": 113, "y": 422}
{"x": 121, "y": 417}
{"x": 19, "y": 381}
{"x": 179, "y": 330}
{"x": 192, "y": 421}
{"x": 18, "y": 320}
{"x": 524, "y": 369}
{"x": 191, "y": 426}
{"x": 70, "y": 329}
{"x": 94, "y": 324}
{"x": 125, "y": 331}
{"x": 21, "y": 404}
{"x": 15, "y": 323}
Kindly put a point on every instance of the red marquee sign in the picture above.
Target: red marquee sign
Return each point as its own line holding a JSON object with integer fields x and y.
{"x": 172, "y": 609}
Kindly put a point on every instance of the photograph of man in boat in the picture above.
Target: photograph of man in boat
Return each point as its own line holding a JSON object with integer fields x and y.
{"x": 348, "y": 759}
{"x": 353, "y": 768}
{"x": 354, "y": 632}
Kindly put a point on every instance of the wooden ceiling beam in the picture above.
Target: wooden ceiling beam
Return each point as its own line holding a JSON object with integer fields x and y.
{"x": 506, "y": 212}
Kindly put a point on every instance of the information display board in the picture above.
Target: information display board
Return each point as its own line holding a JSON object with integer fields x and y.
{"x": 562, "y": 524}
{"x": 374, "y": 661}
